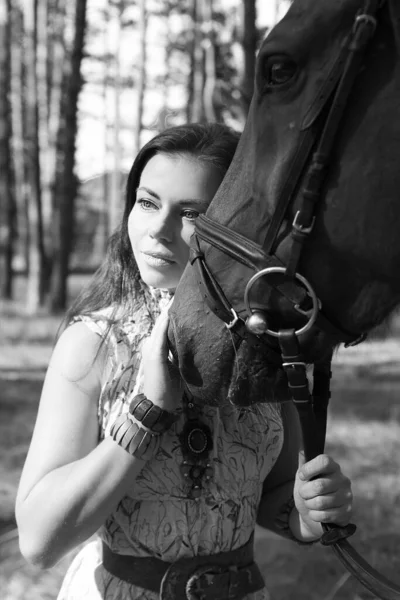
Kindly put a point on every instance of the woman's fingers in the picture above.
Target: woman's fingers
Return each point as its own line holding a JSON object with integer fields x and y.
{"x": 320, "y": 465}
{"x": 339, "y": 498}
{"x": 339, "y": 516}
{"x": 322, "y": 493}
{"x": 162, "y": 383}
{"x": 324, "y": 485}
{"x": 156, "y": 346}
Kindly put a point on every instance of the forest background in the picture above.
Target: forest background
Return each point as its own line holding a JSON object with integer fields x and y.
{"x": 83, "y": 84}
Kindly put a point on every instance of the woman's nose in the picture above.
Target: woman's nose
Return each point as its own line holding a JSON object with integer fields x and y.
{"x": 161, "y": 228}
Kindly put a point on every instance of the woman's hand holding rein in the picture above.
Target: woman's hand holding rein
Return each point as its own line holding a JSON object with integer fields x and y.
{"x": 322, "y": 494}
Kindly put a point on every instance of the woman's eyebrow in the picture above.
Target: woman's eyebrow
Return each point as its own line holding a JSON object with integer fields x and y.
{"x": 184, "y": 202}
{"x": 148, "y": 191}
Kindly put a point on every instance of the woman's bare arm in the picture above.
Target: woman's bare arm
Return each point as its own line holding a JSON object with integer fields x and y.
{"x": 70, "y": 483}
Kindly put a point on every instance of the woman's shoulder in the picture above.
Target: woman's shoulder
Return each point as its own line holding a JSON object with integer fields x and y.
{"x": 111, "y": 337}
{"x": 79, "y": 355}
{"x": 100, "y": 322}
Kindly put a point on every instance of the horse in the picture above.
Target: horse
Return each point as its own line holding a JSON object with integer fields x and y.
{"x": 299, "y": 250}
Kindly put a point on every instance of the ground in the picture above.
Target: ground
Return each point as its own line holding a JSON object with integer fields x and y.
{"x": 363, "y": 435}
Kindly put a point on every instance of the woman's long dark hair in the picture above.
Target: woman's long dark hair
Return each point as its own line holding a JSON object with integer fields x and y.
{"x": 115, "y": 283}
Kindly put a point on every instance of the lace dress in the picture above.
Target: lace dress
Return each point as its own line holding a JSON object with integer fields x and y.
{"x": 158, "y": 519}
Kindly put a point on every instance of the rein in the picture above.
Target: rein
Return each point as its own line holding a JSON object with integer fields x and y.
{"x": 311, "y": 406}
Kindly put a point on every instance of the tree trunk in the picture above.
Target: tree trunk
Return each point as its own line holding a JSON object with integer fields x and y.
{"x": 18, "y": 133}
{"x": 50, "y": 61}
{"x": 164, "y": 112}
{"x": 249, "y": 44}
{"x": 32, "y": 162}
{"x": 210, "y": 62}
{"x": 57, "y": 56}
{"x": 7, "y": 196}
{"x": 192, "y": 62}
{"x": 115, "y": 183}
{"x": 42, "y": 45}
{"x": 198, "y": 111}
{"x": 141, "y": 82}
{"x": 68, "y": 188}
{"x": 103, "y": 235}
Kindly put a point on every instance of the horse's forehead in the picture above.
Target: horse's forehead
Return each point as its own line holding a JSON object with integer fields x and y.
{"x": 326, "y": 10}
{"x": 308, "y": 20}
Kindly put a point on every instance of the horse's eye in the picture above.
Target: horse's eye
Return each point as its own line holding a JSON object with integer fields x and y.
{"x": 279, "y": 70}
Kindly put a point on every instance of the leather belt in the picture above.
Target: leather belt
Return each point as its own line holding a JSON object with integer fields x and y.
{"x": 224, "y": 576}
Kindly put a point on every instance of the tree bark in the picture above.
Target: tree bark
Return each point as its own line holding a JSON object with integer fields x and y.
{"x": 115, "y": 182}
{"x": 103, "y": 235}
{"x": 36, "y": 249}
{"x": 141, "y": 82}
{"x": 7, "y": 196}
{"x": 209, "y": 61}
{"x": 192, "y": 61}
{"x": 198, "y": 111}
{"x": 18, "y": 133}
{"x": 42, "y": 45}
{"x": 249, "y": 44}
{"x": 164, "y": 112}
{"x": 67, "y": 190}
{"x": 57, "y": 56}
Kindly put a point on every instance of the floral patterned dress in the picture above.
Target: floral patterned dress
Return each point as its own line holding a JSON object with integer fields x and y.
{"x": 158, "y": 519}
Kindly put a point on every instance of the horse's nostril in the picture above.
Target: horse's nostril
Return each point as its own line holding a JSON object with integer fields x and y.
{"x": 257, "y": 323}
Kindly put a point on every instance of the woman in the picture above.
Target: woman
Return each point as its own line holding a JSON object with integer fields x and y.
{"x": 118, "y": 447}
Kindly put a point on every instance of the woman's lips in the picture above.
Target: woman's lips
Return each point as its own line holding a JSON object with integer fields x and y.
{"x": 157, "y": 260}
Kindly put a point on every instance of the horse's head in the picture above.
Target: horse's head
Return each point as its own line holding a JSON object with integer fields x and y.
{"x": 352, "y": 255}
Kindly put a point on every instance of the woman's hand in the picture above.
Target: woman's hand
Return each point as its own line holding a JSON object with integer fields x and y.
{"x": 322, "y": 494}
{"x": 162, "y": 382}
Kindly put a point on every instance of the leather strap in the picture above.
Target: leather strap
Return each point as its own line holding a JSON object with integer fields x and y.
{"x": 253, "y": 257}
{"x": 224, "y": 576}
{"x": 341, "y": 77}
{"x": 312, "y": 411}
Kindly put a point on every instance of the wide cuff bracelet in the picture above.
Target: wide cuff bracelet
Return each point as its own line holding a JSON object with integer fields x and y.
{"x": 151, "y": 416}
{"x": 134, "y": 439}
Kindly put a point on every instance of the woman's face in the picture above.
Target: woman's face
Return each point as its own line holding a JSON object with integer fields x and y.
{"x": 172, "y": 192}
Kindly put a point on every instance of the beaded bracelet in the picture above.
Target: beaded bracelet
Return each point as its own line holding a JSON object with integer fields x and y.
{"x": 134, "y": 439}
{"x": 151, "y": 416}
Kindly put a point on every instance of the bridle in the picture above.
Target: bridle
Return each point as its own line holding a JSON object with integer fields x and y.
{"x": 309, "y": 166}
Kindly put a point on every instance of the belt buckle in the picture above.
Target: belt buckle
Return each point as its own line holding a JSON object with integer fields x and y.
{"x": 194, "y": 589}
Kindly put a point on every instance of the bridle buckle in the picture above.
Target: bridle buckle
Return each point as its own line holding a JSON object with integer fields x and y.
{"x": 300, "y": 228}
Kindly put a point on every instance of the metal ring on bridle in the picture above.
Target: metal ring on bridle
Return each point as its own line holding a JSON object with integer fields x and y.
{"x": 315, "y": 302}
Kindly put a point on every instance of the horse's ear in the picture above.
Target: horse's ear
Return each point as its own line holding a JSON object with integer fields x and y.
{"x": 394, "y": 10}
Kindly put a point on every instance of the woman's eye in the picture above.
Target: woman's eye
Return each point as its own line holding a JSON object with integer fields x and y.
{"x": 191, "y": 215}
{"x": 146, "y": 204}
{"x": 279, "y": 70}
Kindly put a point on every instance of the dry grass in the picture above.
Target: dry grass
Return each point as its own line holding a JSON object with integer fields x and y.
{"x": 363, "y": 434}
